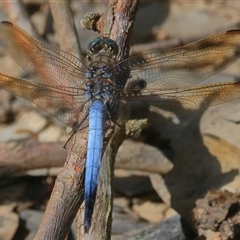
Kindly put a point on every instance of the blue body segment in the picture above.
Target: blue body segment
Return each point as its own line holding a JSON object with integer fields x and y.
{"x": 97, "y": 115}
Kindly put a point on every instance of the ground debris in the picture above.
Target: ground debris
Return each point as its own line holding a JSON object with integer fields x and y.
{"x": 218, "y": 213}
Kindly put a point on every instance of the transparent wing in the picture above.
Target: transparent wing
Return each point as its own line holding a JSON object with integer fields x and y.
{"x": 65, "y": 103}
{"x": 43, "y": 63}
{"x": 158, "y": 105}
{"x": 184, "y": 66}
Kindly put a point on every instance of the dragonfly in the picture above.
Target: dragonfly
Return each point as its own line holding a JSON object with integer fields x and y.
{"x": 94, "y": 91}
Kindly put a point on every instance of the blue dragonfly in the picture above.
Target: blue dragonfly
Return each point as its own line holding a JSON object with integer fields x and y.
{"x": 95, "y": 91}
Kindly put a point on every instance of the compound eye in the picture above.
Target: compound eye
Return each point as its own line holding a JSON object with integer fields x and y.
{"x": 110, "y": 46}
{"x": 102, "y": 44}
{"x": 93, "y": 42}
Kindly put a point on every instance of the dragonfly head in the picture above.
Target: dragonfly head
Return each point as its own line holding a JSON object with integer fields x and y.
{"x": 102, "y": 45}
{"x": 102, "y": 54}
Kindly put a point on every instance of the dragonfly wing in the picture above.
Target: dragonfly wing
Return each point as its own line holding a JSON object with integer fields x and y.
{"x": 43, "y": 63}
{"x": 66, "y": 104}
{"x": 187, "y": 65}
{"x": 167, "y": 104}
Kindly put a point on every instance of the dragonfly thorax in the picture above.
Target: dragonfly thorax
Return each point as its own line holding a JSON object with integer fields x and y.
{"x": 98, "y": 71}
{"x": 99, "y": 89}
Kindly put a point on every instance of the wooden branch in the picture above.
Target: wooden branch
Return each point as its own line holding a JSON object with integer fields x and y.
{"x": 65, "y": 27}
{"x": 17, "y": 14}
{"x": 66, "y": 196}
{"x": 116, "y": 23}
{"x": 18, "y": 157}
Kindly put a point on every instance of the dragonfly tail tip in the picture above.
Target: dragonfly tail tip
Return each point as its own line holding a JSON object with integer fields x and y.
{"x": 86, "y": 229}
